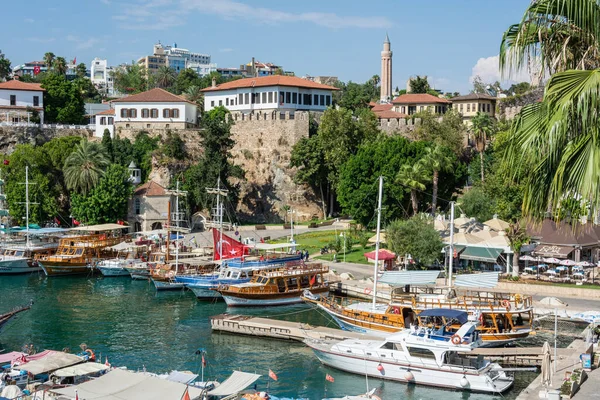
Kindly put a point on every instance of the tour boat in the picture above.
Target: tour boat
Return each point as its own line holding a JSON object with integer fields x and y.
{"x": 421, "y": 356}
{"x": 129, "y": 254}
{"x": 22, "y": 259}
{"x": 281, "y": 286}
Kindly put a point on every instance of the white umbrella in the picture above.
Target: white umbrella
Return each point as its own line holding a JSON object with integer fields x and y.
{"x": 526, "y": 258}
{"x": 585, "y": 264}
{"x": 546, "y": 365}
{"x": 568, "y": 263}
{"x": 551, "y": 260}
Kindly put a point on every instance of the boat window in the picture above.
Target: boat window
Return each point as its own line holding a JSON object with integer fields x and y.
{"x": 388, "y": 346}
{"x": 292, "y": 283}
{"x": 19, "y": 253}
{"x": 79, "y": 252}
{"x": 420, "y": 353}
{"x": 304, "y": 281}
{"x": 71, "y": 252}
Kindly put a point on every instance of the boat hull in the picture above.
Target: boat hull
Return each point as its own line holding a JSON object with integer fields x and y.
{"x": 258, "y": 300}
{"x": 112, "y": 271}
{"x": 65, "y": 268}
{"x": 204, "y": 293}
{"x": 19, "y": 266}
{"x": 161, "y": 285}
{"x": 442, "y": 377}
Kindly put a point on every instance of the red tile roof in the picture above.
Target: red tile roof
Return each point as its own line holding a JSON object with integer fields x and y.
{"x": 389, "y": 114}
{"x": 150, "y": 188}
{"x": 110, "y": 111}
{"x": 152, "y": 96}
{"x": 18, "y": 85}
{"x": 418, "y": 98}
{"x": 20, "y": 108}
{"x": 381, "y": 107}
{"x": 272, "y": 80}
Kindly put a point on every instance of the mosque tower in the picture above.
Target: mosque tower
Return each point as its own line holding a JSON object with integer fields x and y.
{"x": 386, "y": 72}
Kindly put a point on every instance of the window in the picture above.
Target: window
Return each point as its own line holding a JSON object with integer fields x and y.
{"x": 13, "y": 100}
{"x": 264, "y": 97}
{"x": 154, "y": 113}
{"x": 488, "y": 107}
{"x": 212, "y": 103}
{"x": 460, "y": 107}
{"x": 241, "y": 96}
{"x": 138, "y": 206}
{"x": 127, "y": 126}
{"x": 166, "y": 113}
{"x": 148, "y": 126}
{"x": 167, "y": 126}
{"x": 469, "y": 107}
{"x": 294, "y": 98}
{"x": 257, "y": 98}
{"x": 102, "y": 120}
{"x": 474, "y": 108}
{"x": 322, "y": 100}
{"x": 227, "y": 101}
{"x": 281, "y": 96}
{"x": 288, "y": 97}
{"x": 36, "y": 101}
{"x": 175, "y": 113}
{"x": 220, "y": 102}
{"x": 111, "y": 120}
{"x": 145, "y": 113}
{"x": 132, "y": 113}
{"x": 328, "y": 100}
{"x": 246, "y": 98}
{"x": 252, "y": 98}
{"x": 316, "y": 100}
{"x": 307, "y": 99}
{"x": 420, "y": 353}
{"x": 270, "y": 97}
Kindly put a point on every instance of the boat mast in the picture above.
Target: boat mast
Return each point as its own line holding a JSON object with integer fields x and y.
{"x": 27, "y": 204}
{"x": 219, "y": 211}
{"x": 451, "y": 250}
{"x": 177, "y": 230}
{"x": 376, "y": 268}
{"x": 168, "y": 228}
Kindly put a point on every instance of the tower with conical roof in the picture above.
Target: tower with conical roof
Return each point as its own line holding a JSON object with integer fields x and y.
{"x": 386, "y": 71}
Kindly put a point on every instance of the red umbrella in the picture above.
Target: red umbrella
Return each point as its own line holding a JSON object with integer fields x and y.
{"x": 384, "y": 255}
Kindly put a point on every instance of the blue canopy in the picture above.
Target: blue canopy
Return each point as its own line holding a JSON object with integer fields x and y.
{"x": 461, "y": 316}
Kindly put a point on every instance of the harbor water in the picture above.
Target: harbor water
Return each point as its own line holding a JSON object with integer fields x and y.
{"x": 132, "y": 325}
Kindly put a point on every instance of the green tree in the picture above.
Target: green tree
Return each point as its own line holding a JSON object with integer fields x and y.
{"x": 5, "y": 69}
{"x": 165, "y": 77}
{"x": 130, "y": 79}
{"x": 354, "y": 96}
{"x": 107, "y": 201}
{"x": 307, "y": 156}
{"x": 87, "y": 90}
{"x": 478, "y": 85}
{"x": 143, "y": 147}
{"x": 195, "y": 95}
{"x": 84, "y": 167}
{"x": 419, "y": 85}
{"x": 437, "y": 159}
{"x": 517, "y": 236}
{"x": 413, "y": 176}
{"x": 60, "y": 66}
{"x": 375, "y": 80}
{"x": 517, "y": 89}
{"x": 186, "y": 79}
{"x": 108, "y": 145}
{"x": 477, "y": 204}
{"x": 49, "y": 60}
{"x": 417, "y": 237}
{"x": 57, "y": 150}
{"x": 123, "y": 153}
{"x": 63, "y": 102}
{"x": 81, "y": 70}
{"x": 449, "y": 131}
{"x": 173, "y": 146}
{"x": 483, "y": 127}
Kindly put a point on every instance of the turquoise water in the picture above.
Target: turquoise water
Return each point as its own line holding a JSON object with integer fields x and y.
{"x": 132, "y": 325}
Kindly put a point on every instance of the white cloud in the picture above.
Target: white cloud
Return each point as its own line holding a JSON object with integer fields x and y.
{"x": 29, "y": 20}
{"x": 107, "y": 2}
{"x": 226, "y": 50}
{"x": 82, "y": 44}
{"x": 41, "y": 39}
{"x": 488, "y": 69}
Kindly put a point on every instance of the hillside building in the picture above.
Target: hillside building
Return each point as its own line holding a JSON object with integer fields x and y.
{"x": 412, "y": 103}
{"x": 101, "y": 76}
{"x": 469, "y": 105}
{"x": 178, "y": 59}
{"x": 19, "y": 99}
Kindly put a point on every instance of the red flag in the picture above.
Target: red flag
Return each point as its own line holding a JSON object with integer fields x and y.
{"x": 229, "y": 247}
{"x": 272, "y": 375}
{"x": 75, "y": 222}
{"x": 329, "y": 378}
{"x": 106, "y": 362}
{"x": 262, "y": 240}
{"x": 57, "y": 221}
{"x": 313, "y": 280}
{"x": 75, "y": 61}
{"x": 37, "y": 70}
{"x": 203, "y": 361}
{"x": 186, "y": 395}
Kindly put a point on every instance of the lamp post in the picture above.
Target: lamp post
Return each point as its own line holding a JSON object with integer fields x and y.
{"x": 343, "y": 234}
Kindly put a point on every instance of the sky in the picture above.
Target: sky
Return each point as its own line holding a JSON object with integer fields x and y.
{"x": 449, "y": 41}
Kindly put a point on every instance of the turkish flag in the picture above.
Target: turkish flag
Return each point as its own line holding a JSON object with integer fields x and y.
{"x": 272, "y": 375}
{"x": 36, "y": 70}
{"x": 329, "y": 378}
{"x": 227, "y": 246}
{"x": 313, "y": 280}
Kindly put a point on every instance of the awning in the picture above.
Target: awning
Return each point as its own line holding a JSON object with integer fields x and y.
{"x": 551, "y": 250}
{"x": 485, "y": 254}
{"x": 50, "y": 363}
{"x": 181, "y": 377}
{"x": 119, "y": 384}
{"x": 384, "y": 254}
{"x": 237, "y": 382}
{"x": 400, "y": 278}
{"x": 461, "y": 316}
{"x": 9, "y": 357}
{"x": 81, "y": 369}
{"x": 482, "y": 280}
{"x": 101, "y": 227}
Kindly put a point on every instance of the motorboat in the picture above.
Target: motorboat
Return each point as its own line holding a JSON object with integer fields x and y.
{"x": 422, "y": 355}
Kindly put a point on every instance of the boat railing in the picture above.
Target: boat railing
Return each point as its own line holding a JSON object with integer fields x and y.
{"x": 502, "y": 303}
{"x": 294, "y": 271}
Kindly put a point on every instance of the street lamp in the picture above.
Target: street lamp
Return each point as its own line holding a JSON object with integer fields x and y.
{"x": 343, "y": 234}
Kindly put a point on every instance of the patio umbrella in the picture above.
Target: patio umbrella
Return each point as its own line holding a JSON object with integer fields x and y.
{"x": 384, "y": 254}
{"x": 526, "y": 258}
{"x": 546, "y": 365}
{"x": 585, "y": 264}
{"x": 551, "y": 260}
{"x": 568, "y": 263}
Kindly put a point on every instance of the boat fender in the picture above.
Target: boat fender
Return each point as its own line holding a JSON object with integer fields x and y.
{"x": 92, "y": 356}
{"x": 367, "y": 290}
{"x": 506, "y": 304}
{"x": 409, "y": 376}
{"x": 455, "y": 339}
{"x": 464, "y": 382}
{"x": 396, "y": 310}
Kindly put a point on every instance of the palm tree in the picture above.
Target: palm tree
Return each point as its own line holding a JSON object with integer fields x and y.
{"x": 560, "y": 131}
{"x": 414, "y": 177}
{"x": 517, "y": 237}
{"x": 85, "y": 166}
{"x": 482, "y": 128}
{"x": 165, "y": 77}
{"x": 195, "y": 95}
{"x": 60, "y": 65}
{"x": 375, "y": 80}
{"x": 436, "y": 160}
{"x": 49, "y": 60}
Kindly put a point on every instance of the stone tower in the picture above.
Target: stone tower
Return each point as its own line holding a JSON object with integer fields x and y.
{"x": 386, "y": 72}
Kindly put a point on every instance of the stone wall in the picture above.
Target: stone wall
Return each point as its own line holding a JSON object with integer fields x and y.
{"x": 398, "y": 125}
{"x": 11, "y": 136}
{"x": 509, "y": 107}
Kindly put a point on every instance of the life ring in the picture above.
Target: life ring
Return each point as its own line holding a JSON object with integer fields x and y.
{"x": 506, "y": 304}
{"x": 396, "y": 310}
{"x": 92, "y": 356}
{"x": 455, "y": 339}
{"x": 367, "y": 290}
{"x": 481, "y": 319}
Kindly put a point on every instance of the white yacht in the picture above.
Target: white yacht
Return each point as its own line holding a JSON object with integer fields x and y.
{"x": 424, "y": 355}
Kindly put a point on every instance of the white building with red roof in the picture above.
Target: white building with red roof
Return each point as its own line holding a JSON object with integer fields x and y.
{"x": 19, "y": 99}
{"x": 412, "y": 103}
{"x": 154, "y": 109}
{"x": 105, "y": 120}
{"x": 276, "y": 92}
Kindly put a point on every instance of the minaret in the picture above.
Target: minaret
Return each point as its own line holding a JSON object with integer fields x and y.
{"x": 386, "y": 72}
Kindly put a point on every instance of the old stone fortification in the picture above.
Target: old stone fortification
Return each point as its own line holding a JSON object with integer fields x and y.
{"x": 11, "y": 136}
{"x": 399, "y": 125}
{"x": 509, "y": 107}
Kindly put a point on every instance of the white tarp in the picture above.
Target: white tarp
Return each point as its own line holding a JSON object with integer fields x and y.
{"x": 482, "y": 280}
{"x": 237, "y": 382}
{"x": 400, "y": 278}
{"x": 126, "y": 246}
{"x": 50, "y": 363}
{"x": 181, "y": 377}
{"x": 101, "y": 227}
{"x": 127, "y": 385}
{"x": 81, "y": 369}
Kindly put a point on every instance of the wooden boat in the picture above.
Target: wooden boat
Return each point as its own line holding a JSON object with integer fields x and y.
{"x": 76, "y": 255}
{"x": 4, "y": 318}
{"x": 22, "y": 259}
{"x": 280, "y": 286}
{"x": 504, "y": 317}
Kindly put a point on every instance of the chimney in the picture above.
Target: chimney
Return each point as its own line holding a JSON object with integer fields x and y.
{"x": 214, "y": 82}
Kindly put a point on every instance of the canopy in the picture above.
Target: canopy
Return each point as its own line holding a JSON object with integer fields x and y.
{"x": 9, "y": 357}
{"x": 382, "y": 238}
{"x": 527, "y": 258}
{"x": 271, "y": 246}
{"x": 101, "y": 227}
{"x": 568, "y": 263}
{"x": 81, "y": 369}
{"x": 120, "y": 384}
{"x": 547, "y": 250}
{"x": 482, "y": 280}
{"x": 384, "y": 254}
{"x": 461, "y": 316}
{"x": 181, "y": 377}
{"x": 237, "y": 382}
{"x": 126, "y": 246}
{"x": 497, "y": 224}
{"x": 50, "y": 363}
{"x": 485, "y": 254}
{"x": 400, "y": 278}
